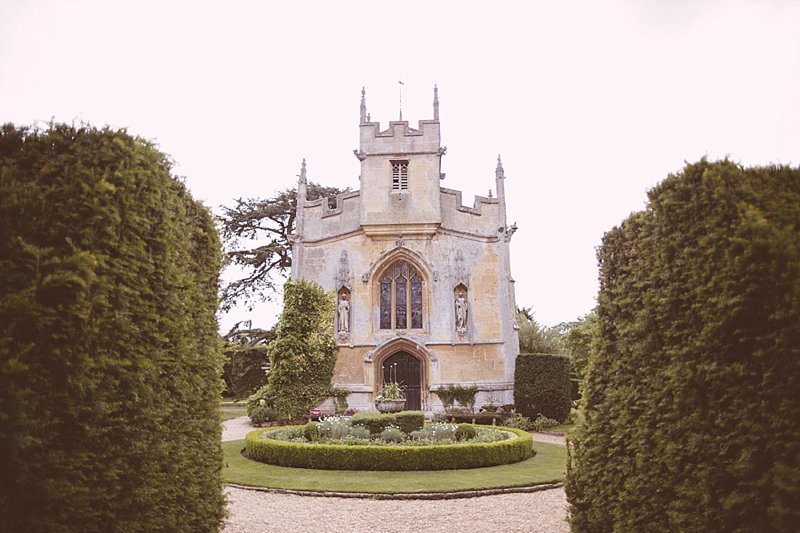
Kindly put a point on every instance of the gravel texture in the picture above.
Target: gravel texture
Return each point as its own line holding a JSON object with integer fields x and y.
{"x": 236, "y": 428}
{"x": 254, "y": 511}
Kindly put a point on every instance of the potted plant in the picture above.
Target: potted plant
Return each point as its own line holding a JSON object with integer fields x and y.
{"x": 390, "y": 398}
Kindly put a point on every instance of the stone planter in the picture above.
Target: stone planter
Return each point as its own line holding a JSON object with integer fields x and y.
{"x": 390, "y": 406}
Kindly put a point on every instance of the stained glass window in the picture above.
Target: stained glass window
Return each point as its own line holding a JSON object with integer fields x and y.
{"x": 401, "y": 295}
{"x": 416, "y": 302}
{"x": 401, "y": 303}
{"x": 386, "y": 302}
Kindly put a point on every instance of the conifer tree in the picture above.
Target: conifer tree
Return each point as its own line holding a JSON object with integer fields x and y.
{"x": 691, "y": 396}
{"x": 109, "y": 350}
{"x": 303, "y": 354}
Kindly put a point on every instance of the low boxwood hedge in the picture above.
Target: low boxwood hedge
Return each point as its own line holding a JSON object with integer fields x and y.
{"x": 374, "y": 422}
{"x": 409, "y": 421}
{"x": 435, "y": 457}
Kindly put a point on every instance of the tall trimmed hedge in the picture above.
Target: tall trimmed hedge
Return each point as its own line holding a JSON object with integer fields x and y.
{"x": 303, "y": 353}
{"x": 109, "y": 351}
{"x": 542, "y": 386}
{"x": 691, "y": 398}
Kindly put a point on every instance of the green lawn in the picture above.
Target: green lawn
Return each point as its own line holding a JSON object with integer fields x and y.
{"x": 561, "y": 428}
{"x": 229, "y": 412}
{"x": 547, "y": 466}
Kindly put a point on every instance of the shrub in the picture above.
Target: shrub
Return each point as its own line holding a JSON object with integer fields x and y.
{"x": 518, "y": 421}
{"x": 465, "y": 432}
{"x": 691, "y": 396}
{"x": 374, "y": 422}
{"x": 388, "y": 457}
{"x": 261, "y": 414}
{"x": 489, "y": 408}
{"x": 409, "y": 421}
{"x": 392, "y": 434}
{"x": 258, "y": 407}
{"x": 340, "y": 397}
{"x": 359, "y": 432}
{"x": 443, "y": 431}
{"x": 542, "y": 385}
{"x": 303, "y": 353}
{"x": 333, "y": 427}
{"x": 311, "y": 431}
{"x": 420, "y": 434}
{"x": 245, "y": 354}
{"x": 542, "y": 422}
{"x": 465, "y": 396}
{"x": 110, "y": 358}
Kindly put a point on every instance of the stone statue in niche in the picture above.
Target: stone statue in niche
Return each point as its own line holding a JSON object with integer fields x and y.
{"x": 461, "y": 313}
{"x": 343, "y": 312}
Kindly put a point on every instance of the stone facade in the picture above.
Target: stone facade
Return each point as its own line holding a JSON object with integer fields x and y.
{"x": 422, "y": 281}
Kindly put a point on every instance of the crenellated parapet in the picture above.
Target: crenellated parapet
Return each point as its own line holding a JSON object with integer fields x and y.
{"x": 324, "y": 219}
{"x": 400, "y": 139}
{"x": 482, "y": 220}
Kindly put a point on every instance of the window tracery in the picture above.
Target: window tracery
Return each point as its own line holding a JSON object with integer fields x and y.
{"x": 400, "y": 297}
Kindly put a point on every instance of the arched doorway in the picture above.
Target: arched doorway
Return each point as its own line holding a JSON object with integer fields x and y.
{"x": 406, "y": 370}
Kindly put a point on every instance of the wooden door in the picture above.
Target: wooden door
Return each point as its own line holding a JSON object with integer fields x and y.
{"x": 406, "y": 370}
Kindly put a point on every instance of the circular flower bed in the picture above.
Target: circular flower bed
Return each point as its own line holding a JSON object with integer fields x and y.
{"x": 335, "y": 444}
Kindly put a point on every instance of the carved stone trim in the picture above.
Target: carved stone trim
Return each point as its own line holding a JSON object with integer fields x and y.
{"x": 397, "y": 344}
{"x": 343, "y": 275}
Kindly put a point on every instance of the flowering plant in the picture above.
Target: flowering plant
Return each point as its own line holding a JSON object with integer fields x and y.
{"x": 391, "y": 390}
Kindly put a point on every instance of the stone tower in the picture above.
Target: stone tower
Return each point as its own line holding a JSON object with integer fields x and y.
{"x": 423, "y": 283}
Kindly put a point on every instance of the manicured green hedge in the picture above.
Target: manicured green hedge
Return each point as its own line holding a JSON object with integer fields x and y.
{"x": 691, "y": 399}
{"x": 109, "y": 349}
{"x": 466, "y": 432}
{"x": 409, "y": 421}
{"x": 341, "y": 457}
{"x": 542, "y": 386}
{"x": 374, "y": 422}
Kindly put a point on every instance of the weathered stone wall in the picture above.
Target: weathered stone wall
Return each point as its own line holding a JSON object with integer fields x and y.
{"x": 453, "y": 247}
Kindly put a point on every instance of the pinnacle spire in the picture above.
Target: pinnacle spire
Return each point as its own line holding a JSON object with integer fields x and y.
{"x": 302, "y": 175}
{"x": 499, "y": 172}
{"x": 363, "y": 106}
{"x": 435, "y": 102}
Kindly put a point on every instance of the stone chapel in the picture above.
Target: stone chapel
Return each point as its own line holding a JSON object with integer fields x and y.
{"x": 423, "y": 283}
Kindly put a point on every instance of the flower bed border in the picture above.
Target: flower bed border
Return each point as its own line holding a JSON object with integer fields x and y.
{"x": 394, "y": 458}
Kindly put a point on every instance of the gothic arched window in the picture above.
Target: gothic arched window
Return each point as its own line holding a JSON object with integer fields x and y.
{"x": 401, "y": 297}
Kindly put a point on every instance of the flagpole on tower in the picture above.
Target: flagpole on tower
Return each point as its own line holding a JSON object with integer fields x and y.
{"x": 401, "y": 98}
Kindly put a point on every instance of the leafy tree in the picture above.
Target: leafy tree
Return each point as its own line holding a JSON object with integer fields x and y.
{"x": 691, "y": 396}
{"x": 256, "y": 234}
{"x": 577, "y": 339}
{"x": 536, "y": 338}
{"x": 246, "y": 356}
{"x": 303, "y": 354}
{"x": 109, "y": 350}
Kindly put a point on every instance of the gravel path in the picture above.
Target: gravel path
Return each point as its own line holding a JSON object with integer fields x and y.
{"x": 236, "y": 428}
{"x": 252, "y": 511}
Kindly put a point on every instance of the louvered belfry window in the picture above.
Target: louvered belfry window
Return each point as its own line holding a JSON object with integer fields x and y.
{"x": 399, "y": 175}
{"x": 401, "y": 297}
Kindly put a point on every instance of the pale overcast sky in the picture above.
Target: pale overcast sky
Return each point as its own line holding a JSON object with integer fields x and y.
{"x": 590, "y": 103}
